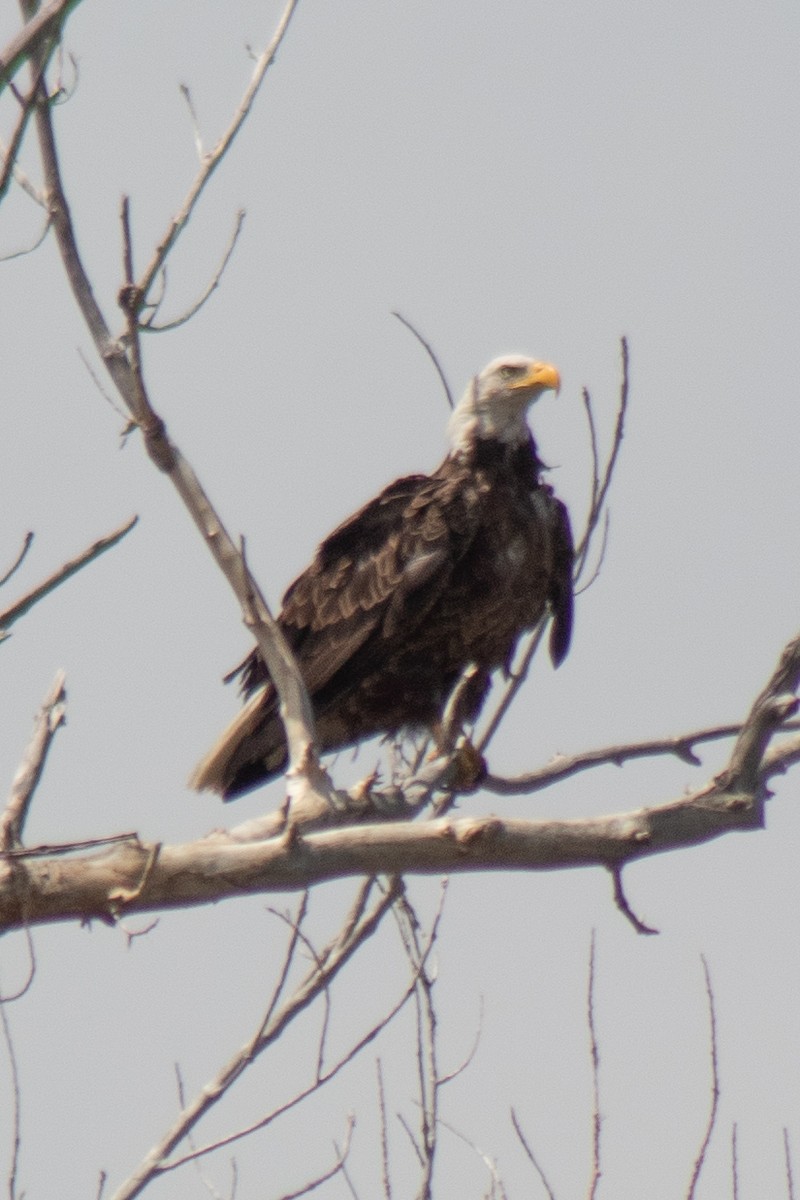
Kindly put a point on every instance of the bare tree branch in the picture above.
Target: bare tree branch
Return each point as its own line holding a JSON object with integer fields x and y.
{"x": 130, "y": 876}
{"x": 563, "y": 766}
{"x": 308, "y": 785}
{"x": 597, "y": 1119}
{"x": 40, "y": 29}
{"x": 27, "y": 542}
{"x": 10, "y": 997}
{"x": 531, "y": 1156}
{"x": 769, "y": 712}
{"x": 712, "y": 1116}
{"x": 734, "y": 1163}
{"x": 149, "y": 326}
{"x": 26, "y": 603}
{"x": 214, "y": 157}
{"x": 386, "y": 1177}
{"x": 621, "y": 901}
{"x": 49, "y": 719}
{"x": 16, "y": 1106}
{"x": 432, "y": 355}
{"x": 319, "y": 1080}
{"x": 427, "y": 1070}
{"x": 157, "y": 1161}
{"x": 602, "y": 483}
{"x": 787, "y": 1158}
{"x": 498, "y": 1187}
{"x": 9, "y": 153}
{"x": 338, "y": 1166}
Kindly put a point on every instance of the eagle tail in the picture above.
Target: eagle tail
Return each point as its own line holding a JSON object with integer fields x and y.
{"x": 247, "y": 753}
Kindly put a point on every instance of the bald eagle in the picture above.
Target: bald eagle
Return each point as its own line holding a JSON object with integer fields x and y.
{"x": 436, "y": 573}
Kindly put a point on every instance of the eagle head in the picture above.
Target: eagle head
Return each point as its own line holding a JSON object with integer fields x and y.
{"x": 496, "y": 402}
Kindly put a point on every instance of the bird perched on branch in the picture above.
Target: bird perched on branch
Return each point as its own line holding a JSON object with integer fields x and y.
{"x": 438, "y": 572}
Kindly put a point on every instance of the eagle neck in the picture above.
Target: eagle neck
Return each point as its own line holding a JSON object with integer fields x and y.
{"x": 493, "y": 455}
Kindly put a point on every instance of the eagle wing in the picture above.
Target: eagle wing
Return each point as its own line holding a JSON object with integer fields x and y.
{"x": 378, "y": 572}
{"x": 561, "y": 582}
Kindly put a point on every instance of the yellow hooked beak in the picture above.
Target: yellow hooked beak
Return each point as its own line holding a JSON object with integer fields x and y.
{"x": 541, "y": 376}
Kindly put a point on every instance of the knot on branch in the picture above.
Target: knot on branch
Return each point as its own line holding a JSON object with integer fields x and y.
{"x": 130, "y": 298}
{"x": 157, "y": 444}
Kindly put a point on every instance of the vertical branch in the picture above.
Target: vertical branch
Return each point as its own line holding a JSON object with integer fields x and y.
{"x": 602, "y": 483}
{"x": 787, "y": 1158}
{"x": 16, "y": 1101}
{"x": 417, "y": 951}
{"x": 29, "y": 772}
{"x": 597, "y": 1119}
{"x": 386, "y": 1179}
{"x": 712, "y": 1116}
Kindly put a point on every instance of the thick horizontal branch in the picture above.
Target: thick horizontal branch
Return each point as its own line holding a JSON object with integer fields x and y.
{"x": 135, "y": 877}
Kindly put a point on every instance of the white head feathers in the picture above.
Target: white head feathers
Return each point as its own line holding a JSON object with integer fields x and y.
{"x": 496, "y": 402}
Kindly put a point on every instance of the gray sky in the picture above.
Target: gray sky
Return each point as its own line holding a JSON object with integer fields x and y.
{"x": 532, "y": 178}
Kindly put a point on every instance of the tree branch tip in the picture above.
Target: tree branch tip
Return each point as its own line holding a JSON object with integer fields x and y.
{"x": 686, "y": 753}
{"x": 624, "y": 907}
{"x": 784, "y": 706}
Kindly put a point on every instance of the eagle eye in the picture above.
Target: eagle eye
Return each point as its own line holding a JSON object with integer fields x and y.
{"x": 509, "y": 372}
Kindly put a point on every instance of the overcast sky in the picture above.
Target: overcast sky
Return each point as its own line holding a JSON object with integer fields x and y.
{"x": 515, "y": 177}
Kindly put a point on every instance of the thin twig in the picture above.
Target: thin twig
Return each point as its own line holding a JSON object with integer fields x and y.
{"x": 214, "y": 157}
{"x": 787, "y": 1158}
{"x": 16, "y": 1105}
{"x": 386, "y": 1178}
{"x": 26, "y": 603}
{"x": 23, "y": 989}
{"x": 517, "y": 678}
{"x": 197, "y": 1164}
{"x": 602, "y": 483}
{"x": 288, "y": 958}
{"x": 598, "y": 566}
{"x": 734, "y": 1163}
{"x": 299, "y": 937}
{"x": 621, "y": 901}
{"x": 427, "y": 1070}
{"x": 593, "y": 446}
{"x": 150, "y": 326}
{"x": 597, "y": 1120}
{"x": 430, "y": 352}
{"x": 12, "y": 254}
{"x": 469, "y": 1056}
{"x": 563, "y": 766}
{"x": 712, "y": 1116}
{"x": 27, "y": 542}
{"x": 531, "y": 1156}
{"x": 336, "y": 1169}
{"x": 9, "y": 153}
{"x": 498, "y": 1188}
{"x": 198, "y": 140}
